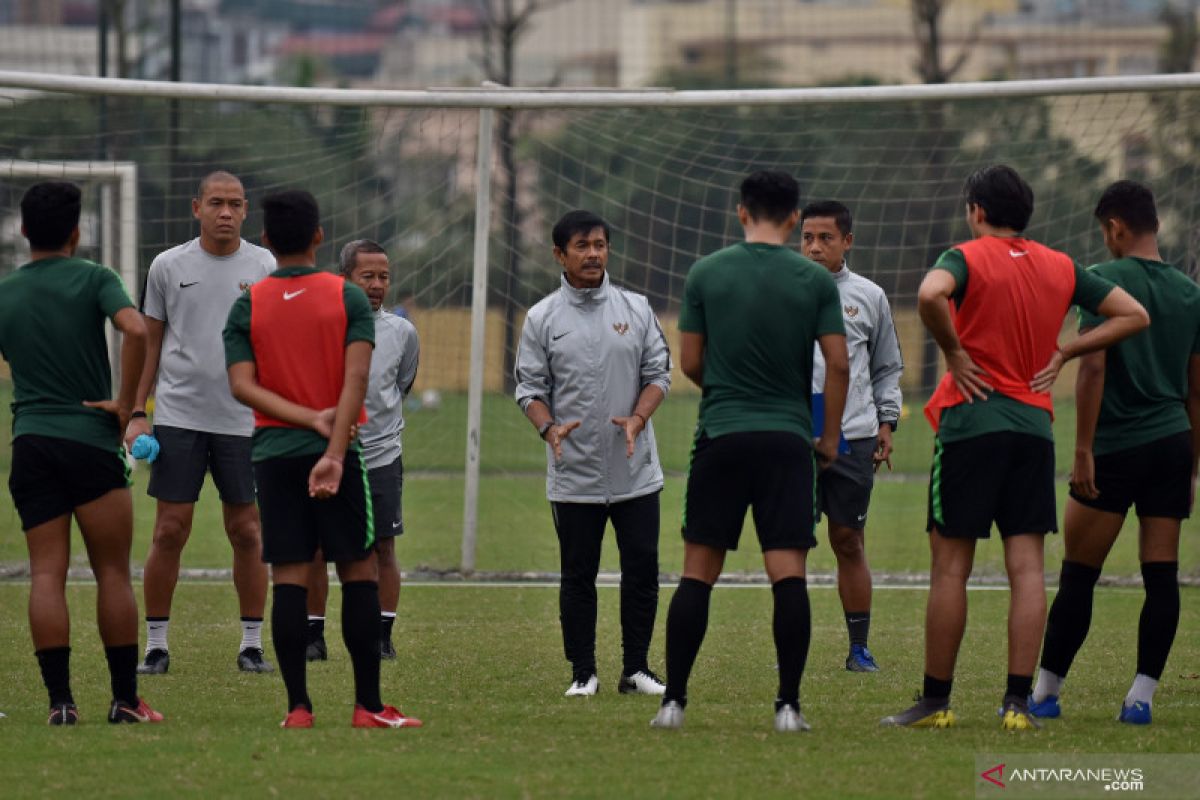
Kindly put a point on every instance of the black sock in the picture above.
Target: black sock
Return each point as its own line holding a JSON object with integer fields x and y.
{"x": 122, "y": 672}
{"x": 55, "y": 663}
{"x": 793, "y": 630}
{"x": 316, "y": 628}
{"x": 288, "y": 633}
{"x": 1070, "y": 617}
{"x": 360, "y": 632}
{"x": 687, "y": 620}
{"x": 1160, "y": 617}
{"x": 936, "y": 689}
{"x": 858, "y": 623}
{"x": 1018, "y": 688}
{"x": 385, "y": 627}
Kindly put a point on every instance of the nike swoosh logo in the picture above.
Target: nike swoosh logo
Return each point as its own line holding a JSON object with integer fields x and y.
{"x": 135, "y": 714}
{"x": 183, "y": 285}
{"x": 556, "y": 338}
{"x": 290, "y": 295}
{"x": 396, "y": 524}
{"x": 1017, "y": 253}
{"x": 391, "y": 723}
{"x": 861, "y": 517}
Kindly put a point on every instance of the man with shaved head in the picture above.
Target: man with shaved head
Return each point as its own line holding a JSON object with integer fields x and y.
{"x": 200, "y": 428}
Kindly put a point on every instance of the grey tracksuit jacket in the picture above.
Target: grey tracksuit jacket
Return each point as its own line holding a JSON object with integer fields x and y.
{"x": 875, "y": 361}
{"x": 587, "y": 354}
{"x": 393, "y": 370}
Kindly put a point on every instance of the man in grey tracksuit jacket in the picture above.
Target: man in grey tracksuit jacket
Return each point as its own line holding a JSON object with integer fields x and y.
{"x": 591, "y": 368}
{"x": 393, "y": 371}
{"x": 871, "y": 415}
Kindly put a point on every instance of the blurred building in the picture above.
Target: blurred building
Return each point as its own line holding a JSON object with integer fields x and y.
{"x": 629, "y": 43}
{"x": 805, "y": 43}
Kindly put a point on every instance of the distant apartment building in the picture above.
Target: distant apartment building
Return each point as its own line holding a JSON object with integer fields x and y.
{"x": 804, "y": 43}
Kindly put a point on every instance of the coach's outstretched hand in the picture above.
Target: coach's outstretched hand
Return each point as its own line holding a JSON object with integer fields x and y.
{"x": 557, "y": 434}
{"x": 968, "y": 376}
{"x": 883, "y": 447}
{"x": 325, "y": 477}
{"x": 633, "y": 425}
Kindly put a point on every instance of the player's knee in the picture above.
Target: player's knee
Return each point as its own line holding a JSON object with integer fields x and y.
{"x": 114, "y": 572}
{"x": 847, "y": 544}
{"x": 639, "y": 559}
{"x": 245, "y": 536}
{"x": 950, "y": 571}
{"x": 48, "y": 574}
{"x": 171, "y": 532}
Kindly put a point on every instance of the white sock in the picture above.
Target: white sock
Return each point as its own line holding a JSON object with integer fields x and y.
{"x": 388, "y": 614}
{"x": 1142, "y": 690}
{"x": 1047, "y": 684}
{"x": 156, "y": 633}
{"x": 251, "y": 633}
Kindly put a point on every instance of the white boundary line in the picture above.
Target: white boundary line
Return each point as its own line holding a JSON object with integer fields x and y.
{"x": 425, "y": 584}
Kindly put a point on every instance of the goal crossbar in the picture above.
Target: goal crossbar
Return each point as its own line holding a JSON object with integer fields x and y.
{"x": 504, "y": 97}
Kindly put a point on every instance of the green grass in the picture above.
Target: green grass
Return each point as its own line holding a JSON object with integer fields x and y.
{"x": 483, "y": 667}
{"x": 515, "y": 530}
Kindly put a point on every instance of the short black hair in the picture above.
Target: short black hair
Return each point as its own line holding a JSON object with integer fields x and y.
{"x": 49, "y": 213}
{"x": 1004, "y": 196}
{"x": 830, "y": 208}
{"x": 575, "y": 222}
{"x": 770, "y": 195}
{"x": 290, "y": 221}
{"x": 1132, "y": 203}
{"x": 348, "y": 259}
{"x": 217, "y": 176}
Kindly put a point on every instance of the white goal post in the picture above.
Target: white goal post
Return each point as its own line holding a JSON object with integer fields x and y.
{"x": 117, "y": 181}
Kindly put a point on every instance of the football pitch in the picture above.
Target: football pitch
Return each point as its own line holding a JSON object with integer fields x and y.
{"x": 482, "y": 666}
{"x": 516, "y": 534}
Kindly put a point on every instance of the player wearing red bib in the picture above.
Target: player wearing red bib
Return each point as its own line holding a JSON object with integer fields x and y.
{"x": 996, "y": 305}
{"x": 298, "y": 346}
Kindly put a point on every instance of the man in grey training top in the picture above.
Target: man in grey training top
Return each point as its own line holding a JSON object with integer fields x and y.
{"x": 872, "y": 414}
{"x": 199, "y": 426}
{"x": 393, "y": 370}
{"x": 591, "y": 368}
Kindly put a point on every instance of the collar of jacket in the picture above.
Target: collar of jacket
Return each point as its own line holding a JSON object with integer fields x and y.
{"x": 579, "y": 297}
{"x": 843, "y": 273}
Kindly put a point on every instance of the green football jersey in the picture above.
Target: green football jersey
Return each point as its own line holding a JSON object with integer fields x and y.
{"x": 52, "y": 315}
{"x": 760, "y": 308}
{"x": 1145, "y": 376}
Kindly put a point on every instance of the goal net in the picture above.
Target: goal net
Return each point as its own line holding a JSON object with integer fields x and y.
{"x": 663, "y": 170}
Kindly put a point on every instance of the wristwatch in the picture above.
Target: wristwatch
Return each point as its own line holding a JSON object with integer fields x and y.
{"x": 547, "y": 425}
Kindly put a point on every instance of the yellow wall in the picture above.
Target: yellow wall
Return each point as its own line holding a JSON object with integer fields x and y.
{"x": 446, "y": 350}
